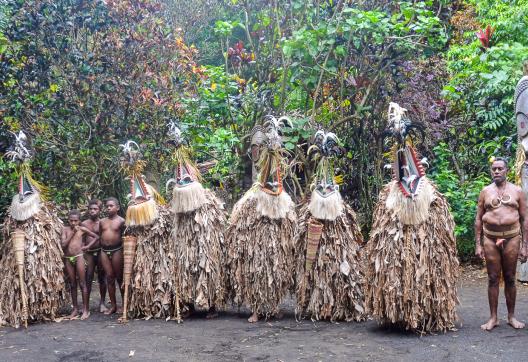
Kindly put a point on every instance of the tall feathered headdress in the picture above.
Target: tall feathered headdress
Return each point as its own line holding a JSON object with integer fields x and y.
{"x": 408, "y": 171}
{"x": 30, "y": 192}
{"x": 325, "y": 201}
{"x": 142, "y": 209}
{"x": 188, "y": 193}
{"x": 271, "y": 164}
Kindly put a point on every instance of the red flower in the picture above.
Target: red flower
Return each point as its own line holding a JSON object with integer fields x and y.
{"x": 485, "y": 35}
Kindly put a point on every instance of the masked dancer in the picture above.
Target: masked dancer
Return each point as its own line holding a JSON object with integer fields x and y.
{"x": 32, "y": 287}
{"x": 329, "y": 274}
{"x": 261, "y": 233}
{"x": 412, "y": 258}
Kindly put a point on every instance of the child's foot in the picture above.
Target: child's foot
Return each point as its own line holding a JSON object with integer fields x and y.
{"x": 120, "y": 310}
{"x": 103, "y": 308}
{"x": 212, "y": 313}
{"x": 85, "y": 315}
{"x": 112, "y": 310}
{"x": 74, "y": 314}
{"x": 253, "y": 318}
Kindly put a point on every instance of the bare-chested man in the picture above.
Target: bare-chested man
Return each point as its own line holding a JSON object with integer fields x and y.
{"x": 111, "y": 229}
{"x": 92, "y": 256}
{"x": 501, "y": 219}
{"x": 72, "y": 244}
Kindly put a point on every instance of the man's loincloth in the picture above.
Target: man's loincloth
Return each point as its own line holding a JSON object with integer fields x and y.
{"x": 506, "y": 232}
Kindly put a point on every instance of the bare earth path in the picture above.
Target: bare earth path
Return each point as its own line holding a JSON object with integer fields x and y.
{"x": 230, "y": 337}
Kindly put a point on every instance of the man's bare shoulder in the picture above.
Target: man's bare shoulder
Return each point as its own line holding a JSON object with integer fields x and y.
{"x": 515, "y": 187}
{"x": 486, "y": 189}
{"x": 67, "y": 228}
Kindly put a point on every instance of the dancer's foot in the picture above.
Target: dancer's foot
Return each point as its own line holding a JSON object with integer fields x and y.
{"x": 279, "y": 314}
{"x": 254, "y": 318}
{"x": 85, "y": 315}
{"x": 213, "y": 313}
{"x": 103, "y": 308}
{"x": 186, "y": 314}
{"x": 515, "y": 323}
{"x": 492, "y": 323}
{"x": 112, "y": 310}
{"x": 189, "y": 312}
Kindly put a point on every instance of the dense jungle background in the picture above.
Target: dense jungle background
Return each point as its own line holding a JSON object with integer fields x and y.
{"x": 82, "y": 76}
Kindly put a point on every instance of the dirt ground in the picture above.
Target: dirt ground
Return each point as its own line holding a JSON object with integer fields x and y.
{"x": 230, "y": 337}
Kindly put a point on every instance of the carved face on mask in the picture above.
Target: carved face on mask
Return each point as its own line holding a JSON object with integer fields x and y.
{"x": 521, "y": 111}
{"x": 408, "y": 171}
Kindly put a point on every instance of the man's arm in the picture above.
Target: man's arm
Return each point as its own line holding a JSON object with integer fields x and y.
{"x": 523, "y": 216}
{"x": 478, "y": 226}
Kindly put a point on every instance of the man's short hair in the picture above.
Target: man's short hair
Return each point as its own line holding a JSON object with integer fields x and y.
{"x": 503, "y": 159}
{"x": 74, "y": 212}
{"x": 96, "y": 202}
{"x": 113, "y": 199}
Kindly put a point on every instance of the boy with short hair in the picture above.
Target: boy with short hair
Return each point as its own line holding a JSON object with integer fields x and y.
{"x": 72, "y": 244}
{"x": 92, "y": 256}
{"x": 111, "y": 229}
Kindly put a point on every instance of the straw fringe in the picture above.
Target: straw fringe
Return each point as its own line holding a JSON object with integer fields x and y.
{"x": 260, "y": 254}
{"x": 411, "y": 211}
{"x": 413, "y": 269}
{"x": 141, "y": 214}
{"x": 43, "y": 271}
{"x": 21, "y": 211}
{"x": 188, "y": 198}
{"x": 326, "y": 208}
{"x": 327, "y": 291}
{"x": 199, "y": 244}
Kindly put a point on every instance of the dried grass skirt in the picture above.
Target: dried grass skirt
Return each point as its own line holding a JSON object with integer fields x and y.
{"x": 326, "y": 292}
{"x": 43, "y": 269}
{"x": 412, "y": 270}
{"x": 260, "y": 256}
{"x": 152, "y": 281}
{"x": 199, "y": 243}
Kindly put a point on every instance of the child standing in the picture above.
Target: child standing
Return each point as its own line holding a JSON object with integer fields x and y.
{"x": 72, "y": 244}
{"x": 92, "y": 255}
{"x": 111, "y": 229}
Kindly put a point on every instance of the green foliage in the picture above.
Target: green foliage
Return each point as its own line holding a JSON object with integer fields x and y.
{"x": 8, "y": 182}
{"x": 462, "y": 196}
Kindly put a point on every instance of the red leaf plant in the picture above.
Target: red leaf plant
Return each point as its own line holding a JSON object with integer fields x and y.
{"x": 485, "y": 36}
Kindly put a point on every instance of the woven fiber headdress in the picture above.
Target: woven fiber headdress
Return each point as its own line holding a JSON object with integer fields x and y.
{"x": 188, "y": 193}
{"x": 325, "y": 201}
{"x": 142, "y": 209}
{"x": 272, "y": 156}
{"x": 30, "y": 192}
